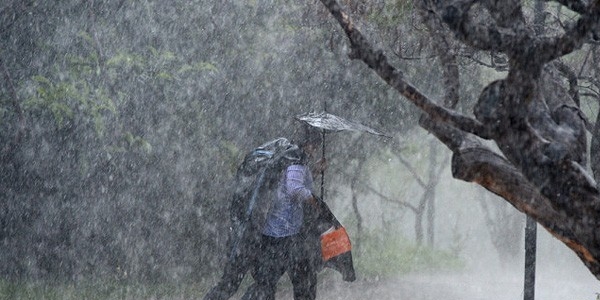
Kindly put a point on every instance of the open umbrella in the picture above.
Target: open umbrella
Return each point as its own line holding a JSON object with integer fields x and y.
{"x": 333, "y": 123}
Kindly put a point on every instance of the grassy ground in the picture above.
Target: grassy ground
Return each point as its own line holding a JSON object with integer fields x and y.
{"x": 387, "y": 257}
{"x": 379, "y": 258}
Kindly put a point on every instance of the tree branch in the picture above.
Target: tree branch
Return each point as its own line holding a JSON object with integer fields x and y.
{"x": 477, "y": 35}
{"x": 493, "y": 172}
{"x": 382, "y": 196}
{"x": 473, "y": 162}
{"x": 446, "y": 53}
{"x": 411, "y": 170}
{"x": 574, "y": 37}
{"x": 574, "y": 5}
{"x": 541, "y": 174}
{"x": 516, "y": 41}
{"x": 376, "y": 60}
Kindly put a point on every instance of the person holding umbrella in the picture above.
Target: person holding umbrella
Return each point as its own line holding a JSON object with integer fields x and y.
{"x": 255, "y": 210}
{"x": 288, "y": 235}
{"x": 283, "y": 246}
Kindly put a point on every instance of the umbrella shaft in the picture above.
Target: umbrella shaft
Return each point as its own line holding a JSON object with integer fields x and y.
{"x": 323, "y": 169}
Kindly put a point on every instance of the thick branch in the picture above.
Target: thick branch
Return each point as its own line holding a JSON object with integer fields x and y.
{"x": 444, "y": 50}
{"x": 574, "y": 5}
{"x": 473, "y": 162}
{"x": 493, "y": 172}
{"x": 376, "y": 60}
{"x": 574, "y": 37}
{"x": 496, "y": 174}
{"x": 515, "y": 40}
{"x": 477, "y": 35}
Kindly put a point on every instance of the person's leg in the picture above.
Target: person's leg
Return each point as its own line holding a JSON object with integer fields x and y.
{"x": 233, "y": 274}
{"x": 238, "y": 263}
{"x": 301, "y": 271}
{"x": 268, "y": 271}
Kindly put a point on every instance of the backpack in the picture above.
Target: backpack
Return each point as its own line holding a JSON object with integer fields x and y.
{"x": 256, "y": 182}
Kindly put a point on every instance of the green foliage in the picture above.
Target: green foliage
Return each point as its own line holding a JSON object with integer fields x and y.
{"x": 136, "y": 142}
{"x": 386, "y": 256}
{"x": 52, "y": 97}
{"x": 197, "y": 67}
{"x": 66, "y": 98}
{"x": 126, "y": 60}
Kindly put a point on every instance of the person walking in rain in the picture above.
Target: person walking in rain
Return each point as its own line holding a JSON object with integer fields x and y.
{"x": 283, "y": 246}
{"x": 291, "y": 223}
{"x": 276, "y": 245}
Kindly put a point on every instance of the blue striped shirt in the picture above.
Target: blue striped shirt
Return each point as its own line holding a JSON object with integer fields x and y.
{"x": 285, "y": 215}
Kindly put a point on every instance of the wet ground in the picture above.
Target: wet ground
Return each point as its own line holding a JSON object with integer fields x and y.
{"x": 479, "y": 286}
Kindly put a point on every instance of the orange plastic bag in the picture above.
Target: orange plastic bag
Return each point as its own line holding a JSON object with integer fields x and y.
{"x": 334, "y": 242}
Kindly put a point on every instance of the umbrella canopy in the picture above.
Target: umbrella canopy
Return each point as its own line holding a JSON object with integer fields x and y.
{"x": 329, "y": 122}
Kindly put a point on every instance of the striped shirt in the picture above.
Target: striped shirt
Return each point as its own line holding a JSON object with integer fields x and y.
{"x": 285, "y": 216}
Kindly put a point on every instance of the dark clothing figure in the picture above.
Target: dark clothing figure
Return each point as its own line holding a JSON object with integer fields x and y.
{"x": 276, "y": 224}
{"x": 254, "y": 186}
{"x": 279, "y": 255}
{"x": 283, "y": 246}
{"x": 240, "y": 261}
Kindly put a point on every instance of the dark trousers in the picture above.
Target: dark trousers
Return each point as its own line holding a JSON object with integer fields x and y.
{"x": 278, "y": 255}
{"x": 233, "y": 274}
{"x": 241, "y": 259}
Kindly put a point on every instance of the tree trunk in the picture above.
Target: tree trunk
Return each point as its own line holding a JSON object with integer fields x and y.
{"x": 541, "y": 170}
{"x": 434, "y": 179}
{"x": 359, "y": 221}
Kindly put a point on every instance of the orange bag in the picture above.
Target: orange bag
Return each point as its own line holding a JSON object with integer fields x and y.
{"x": 334, "y": 242}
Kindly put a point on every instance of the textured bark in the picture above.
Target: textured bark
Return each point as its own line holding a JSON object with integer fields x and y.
{"x": 541, "y": 136}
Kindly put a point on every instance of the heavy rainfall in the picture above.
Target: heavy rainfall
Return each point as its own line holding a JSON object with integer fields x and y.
{"x": 123, "y": 124}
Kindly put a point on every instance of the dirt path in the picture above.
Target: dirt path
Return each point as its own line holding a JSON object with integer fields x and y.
{"x": 453, "y": 287}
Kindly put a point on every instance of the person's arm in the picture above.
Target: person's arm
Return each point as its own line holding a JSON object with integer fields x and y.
{"x": 295, "y": 182}
{"x": 319, "y": 167}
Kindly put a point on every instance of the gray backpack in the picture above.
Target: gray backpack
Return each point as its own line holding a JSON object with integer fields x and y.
{"x": 256, "y": 183}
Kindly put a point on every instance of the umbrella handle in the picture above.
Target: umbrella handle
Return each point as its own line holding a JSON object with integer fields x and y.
{"x": 323, "y": 169}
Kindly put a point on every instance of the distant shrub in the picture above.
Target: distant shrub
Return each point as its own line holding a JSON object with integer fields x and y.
{"x": 389, "y": 256}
